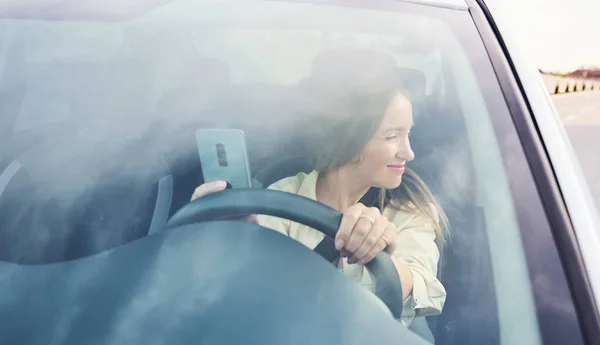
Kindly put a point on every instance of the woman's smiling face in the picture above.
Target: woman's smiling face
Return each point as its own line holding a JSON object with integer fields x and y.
{"x": 382, "y": 161}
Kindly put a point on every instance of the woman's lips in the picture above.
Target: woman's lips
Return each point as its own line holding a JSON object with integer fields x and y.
{"x": 399, "y": 169}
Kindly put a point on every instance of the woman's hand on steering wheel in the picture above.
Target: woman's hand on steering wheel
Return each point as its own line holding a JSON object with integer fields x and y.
{"x": 364, "y": 232}
{"x": 215, "y": 187}
{"x": 384, "y": 271}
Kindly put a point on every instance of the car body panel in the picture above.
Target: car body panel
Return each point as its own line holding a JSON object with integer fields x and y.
{"x": 568, "y": 172}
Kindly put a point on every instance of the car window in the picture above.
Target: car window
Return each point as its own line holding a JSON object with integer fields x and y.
{"x": 84, "y": 101}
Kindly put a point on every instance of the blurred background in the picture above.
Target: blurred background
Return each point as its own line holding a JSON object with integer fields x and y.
{"x": 561, "y": 37}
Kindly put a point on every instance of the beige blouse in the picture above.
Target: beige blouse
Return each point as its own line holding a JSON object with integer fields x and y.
{"x": 416, "y": 248}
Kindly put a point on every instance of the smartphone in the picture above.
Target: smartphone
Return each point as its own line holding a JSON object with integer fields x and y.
{"x": 223, "y": 156}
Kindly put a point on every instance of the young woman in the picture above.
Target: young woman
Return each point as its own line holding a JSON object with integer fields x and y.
{"x": 360, "y": 147}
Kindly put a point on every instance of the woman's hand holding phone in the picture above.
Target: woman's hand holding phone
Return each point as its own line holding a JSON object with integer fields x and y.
{"x": 215, "y": 187}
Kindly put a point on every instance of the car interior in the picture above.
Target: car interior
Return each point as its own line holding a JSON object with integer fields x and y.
{"x": 93, "y": 158}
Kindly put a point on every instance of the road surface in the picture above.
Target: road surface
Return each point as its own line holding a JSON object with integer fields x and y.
{"x": 580, "y": 113}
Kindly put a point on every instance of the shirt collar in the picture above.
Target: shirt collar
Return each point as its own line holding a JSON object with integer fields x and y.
{"x": 308, "y": 187}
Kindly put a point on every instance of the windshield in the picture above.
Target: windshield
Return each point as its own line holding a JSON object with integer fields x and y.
{"x": 98, "y": 120}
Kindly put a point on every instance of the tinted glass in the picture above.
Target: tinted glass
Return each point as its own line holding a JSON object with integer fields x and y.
{"x": 97, "y": 123}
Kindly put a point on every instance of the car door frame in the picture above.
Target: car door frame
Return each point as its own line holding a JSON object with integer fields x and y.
{"x": 569, "y": 210}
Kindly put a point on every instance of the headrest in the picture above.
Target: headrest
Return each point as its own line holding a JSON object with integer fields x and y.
{"x": 356, "y": 68}
{"x": 347, "y": 69}
{"x": 413, "y": 81}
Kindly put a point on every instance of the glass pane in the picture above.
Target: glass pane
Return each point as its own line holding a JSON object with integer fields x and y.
{"x": 97, "y": 121}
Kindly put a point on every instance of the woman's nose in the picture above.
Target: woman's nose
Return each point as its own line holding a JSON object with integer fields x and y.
{"x": 405, "y": 153}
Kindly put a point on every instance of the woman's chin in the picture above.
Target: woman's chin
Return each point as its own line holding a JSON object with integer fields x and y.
{"x": 392, "y": 183}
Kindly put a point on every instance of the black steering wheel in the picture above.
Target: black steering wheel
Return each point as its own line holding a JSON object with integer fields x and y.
{"x": 242, "y": 202}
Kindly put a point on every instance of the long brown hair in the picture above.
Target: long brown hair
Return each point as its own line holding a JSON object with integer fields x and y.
{"x": 343, "y": 117}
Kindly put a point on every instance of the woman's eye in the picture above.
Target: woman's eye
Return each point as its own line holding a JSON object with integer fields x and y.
{"x": 396, "y": 136}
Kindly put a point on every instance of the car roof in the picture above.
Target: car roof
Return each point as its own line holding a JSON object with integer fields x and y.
{"x": 455, "y": 4}
{"x": 115, "y": 10}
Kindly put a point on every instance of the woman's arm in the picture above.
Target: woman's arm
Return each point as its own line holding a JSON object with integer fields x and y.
{"x": 406, "y": 277}
{"x": 416, "y": 257}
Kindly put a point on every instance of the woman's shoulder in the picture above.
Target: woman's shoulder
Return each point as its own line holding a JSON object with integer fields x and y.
{"x": 291, "y": 184}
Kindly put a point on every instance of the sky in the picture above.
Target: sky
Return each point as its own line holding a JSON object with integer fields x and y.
{"x": 558, "y": 35}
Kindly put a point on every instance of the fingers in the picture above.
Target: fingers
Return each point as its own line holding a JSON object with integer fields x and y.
{"x": 363, "y": 234}
{"x": 349, "y": 220}
{"x": 213, "y": 187}
{"x": 387, "y": 242}
{"x": 363, "y": 231}
{"x": 208, "y": 188}
{"x": 372, "y": 244}
{"x": 252, "y": 219}
{"x": 390, "y": 239}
